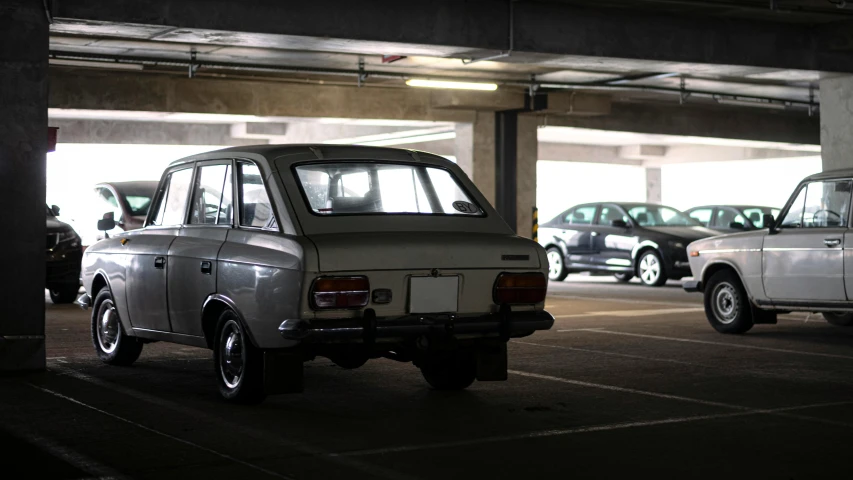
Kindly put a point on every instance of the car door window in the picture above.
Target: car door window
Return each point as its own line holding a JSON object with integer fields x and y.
{"x": 726, "y": 216}
{"x": 212, "y": 196}
{"x": 173, "y": 203}
{"x": 820, "y": 205}
{"x": 610, "y": 213}
{"x": 108, "y": 203}
{"x": 580, "y": 216}
{"x": 255, "y": 207}
{"x": 702, "y": 215}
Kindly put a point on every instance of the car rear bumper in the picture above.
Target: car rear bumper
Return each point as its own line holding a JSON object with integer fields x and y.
{"x": 506, "y": 324}
{"x": 692, "y": 286}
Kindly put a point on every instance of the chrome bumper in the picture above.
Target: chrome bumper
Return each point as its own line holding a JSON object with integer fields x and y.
{"x": 505, "y": 324}
{"x": 84, "y": 301}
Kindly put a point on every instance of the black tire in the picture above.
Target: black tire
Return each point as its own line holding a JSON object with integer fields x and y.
{"x": 64, "y": 293}
{"x": 557, "y": 270}
{"x": 651, "y": 269}
{"x": 239, "y": 365}
{"x": 623, "y": 277}
{"x": 839, "y": 319}
{"x": 453, "y": 370}
{"x": 727, "y": 306}
{"x": 112, "y": 344}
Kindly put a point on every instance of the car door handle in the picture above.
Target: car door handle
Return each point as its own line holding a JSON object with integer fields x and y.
{"x": 206, "y": 267}
{"x": 160, "y": 262}
{"x": 832, "y": 242}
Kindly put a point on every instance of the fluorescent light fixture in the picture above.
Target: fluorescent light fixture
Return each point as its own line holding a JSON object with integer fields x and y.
{"x": 86, "y": 63}
{"x": 420, "y": 82}
{"x": 752, "y": 103}
{"x": 416, "y": 139}
{"x": 368, "y": 139}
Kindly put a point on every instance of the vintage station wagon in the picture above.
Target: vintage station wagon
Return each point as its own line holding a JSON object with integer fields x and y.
{"x": 272, "y": 255}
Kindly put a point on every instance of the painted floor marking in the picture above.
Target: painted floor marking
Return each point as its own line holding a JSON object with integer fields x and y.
{"x": 622, "y": 300}
{"x": 719, "y": 344}
{"x": 633, "y": 313}
{"x": 162, "y": 434}
{"x": 579, "y": 430}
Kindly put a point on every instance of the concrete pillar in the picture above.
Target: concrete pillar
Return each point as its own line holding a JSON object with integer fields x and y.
{"x": 653, "y": 185}
{"x": 475, "y": 152}
{"x": 836, "y": 122}
{"x": 528, "y": 155}
{"x": 23, "y": 149}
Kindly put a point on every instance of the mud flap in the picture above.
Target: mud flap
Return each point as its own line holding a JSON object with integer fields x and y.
{"x": 282, "y": 373}
{"x": 760, "y": 316}
{"x": 492, "y": 363}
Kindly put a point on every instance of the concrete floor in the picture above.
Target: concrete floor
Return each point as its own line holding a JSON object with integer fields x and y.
{"x": 631, "y": 381}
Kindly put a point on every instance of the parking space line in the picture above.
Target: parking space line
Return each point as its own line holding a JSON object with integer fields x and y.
{"x": 162, "y": 434}
{"x": 719, "y": 344}
{"x": 622, "y": 300}
{"x": 587, "y": 429}
{"x": 613, "y": 354}
{"x": 633, "y": 313}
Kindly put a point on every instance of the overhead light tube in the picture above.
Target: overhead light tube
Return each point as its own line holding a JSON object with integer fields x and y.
{"x": 420, "y": 82}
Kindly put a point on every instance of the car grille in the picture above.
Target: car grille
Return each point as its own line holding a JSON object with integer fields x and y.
{"x": 52, "y": 240}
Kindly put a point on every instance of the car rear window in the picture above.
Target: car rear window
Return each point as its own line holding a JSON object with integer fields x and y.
{"x": 372, "y": 188}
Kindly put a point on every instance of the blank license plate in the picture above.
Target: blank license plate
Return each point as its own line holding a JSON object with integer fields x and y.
{"x": 433, "y": 294}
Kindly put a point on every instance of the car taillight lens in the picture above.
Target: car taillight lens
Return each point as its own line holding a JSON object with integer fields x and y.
{"x": 340, "y": 292}
{"x": 520, "y": 288}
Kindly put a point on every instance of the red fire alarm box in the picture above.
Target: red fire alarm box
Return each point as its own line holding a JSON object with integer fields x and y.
{"x": 51, "y": 138}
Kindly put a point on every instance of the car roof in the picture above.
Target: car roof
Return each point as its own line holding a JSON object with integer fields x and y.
{"x": 829, "y": 174}
{"x": 738, "y": 207}
{"x": 140, "y": 186}
{"x": 308, "y": 152}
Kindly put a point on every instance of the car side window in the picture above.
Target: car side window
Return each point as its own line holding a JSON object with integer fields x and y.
{"x": 580, "y": 216}
{"x": 702, "y": 215}
{"x": 173, "y": 204}
{"x": 824, "y": 204}
{"x": 255, "y": 206}
{"x": 108, "y": 203}
{"x": 726, "y": 216}
{"x": 212, "y": 196}
{"x": 610, "y": 213}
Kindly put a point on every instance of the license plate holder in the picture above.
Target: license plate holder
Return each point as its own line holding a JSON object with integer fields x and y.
{"x": 434, "y": 294}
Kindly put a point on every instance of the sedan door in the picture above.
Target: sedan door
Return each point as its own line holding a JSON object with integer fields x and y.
{"x": 612, "y": 244}
{"x": 576, "y": 234}
{"x": 147, "y": 251}
{"x": 804, "y": 260}
{"x": 193, "y": 254}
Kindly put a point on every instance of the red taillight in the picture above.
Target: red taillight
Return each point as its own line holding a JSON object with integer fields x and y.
{"x": 520, "y": 288}
{"x": 340, "y": 292}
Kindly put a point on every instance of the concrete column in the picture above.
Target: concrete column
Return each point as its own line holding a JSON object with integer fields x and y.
{"x": 528, "y": 155}
{"x": 23, "y": 148}
{"x": 836, "y": 122}
{"x": 653, "y": 185}
{"x": 475, "y": 152}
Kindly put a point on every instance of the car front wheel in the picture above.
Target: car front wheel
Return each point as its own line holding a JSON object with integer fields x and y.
{"x": 454, "y": 370}
{"x": 111, "y": 343}
{"x": 651, "y": 269}
{"x": 839, "y": 319}
{"x": 239, "y": 364}
{"x": 556, "y": 265}
{"x": 726, "y": 304}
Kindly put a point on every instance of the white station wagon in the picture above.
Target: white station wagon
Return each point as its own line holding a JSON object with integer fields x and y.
{"x": 804, "y": 261}
{"x": 272, "y": 255}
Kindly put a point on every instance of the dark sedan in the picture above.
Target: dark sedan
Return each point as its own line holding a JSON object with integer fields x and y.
{"x": 629, "y": 239}
{"x": 63, "y": 256}
{"x": 732, "y": 218}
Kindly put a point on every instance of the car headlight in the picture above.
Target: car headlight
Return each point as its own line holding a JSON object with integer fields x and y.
{"x": 69, "y": 238}
{"x": 676, "y": 244}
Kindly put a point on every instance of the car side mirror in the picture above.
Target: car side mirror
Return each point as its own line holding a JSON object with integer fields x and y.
{"x": 107, "y": 223}
{"x": 619, "y": 223}
{"x": 769, "y": 221}
{"x": 736, "y": 226}
{"x": 55, "y": 210}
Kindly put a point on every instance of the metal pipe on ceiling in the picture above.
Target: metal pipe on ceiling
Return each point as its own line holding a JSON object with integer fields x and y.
{"x": 763, "y": 7}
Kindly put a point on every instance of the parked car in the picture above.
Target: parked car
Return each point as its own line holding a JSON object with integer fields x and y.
{"x": 798, "y": 263}
{"x": 731, "y": 218}
{"x": 272, "y": 255}
{"x": 64, "y": 253}
{"x": 128, "y": 202}
{"x": 626, "y": 240}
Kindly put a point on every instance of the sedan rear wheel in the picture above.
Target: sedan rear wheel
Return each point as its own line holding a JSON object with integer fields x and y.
{"x": 839, "y": 319}
{"x": 623, "y": 277}
{"x": 556, "y": 265}
{"x": 651, "y": 269}
{"x": 239, "y": 364}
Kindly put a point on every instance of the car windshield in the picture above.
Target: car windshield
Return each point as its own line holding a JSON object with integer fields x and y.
{"x": 369, "y": 188}
{"x": 659, "y": 216}
{"x": 138, "y": 204}
{"x": 49, "y": 212}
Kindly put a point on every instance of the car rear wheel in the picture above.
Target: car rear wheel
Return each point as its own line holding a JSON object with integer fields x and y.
{"x": 112, "y": 345}
{"x": 64, "y": 293}
{"x": 623, "y": 277}
{"x": 651, "y": 269}
{"x": 726, "y": 303}
{"x": 556, "y": 265}
{"x": 839, "y": 319}
{"x": 455, "y": 370}
{"x": 239, "y": 364}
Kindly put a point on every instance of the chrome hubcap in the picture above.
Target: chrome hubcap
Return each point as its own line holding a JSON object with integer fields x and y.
{"x": 108, "y": 328}
{"x": 555, "y": 264}
{"x": 231, "y": 354}
{"x": 649, "y": 269}
{"x": 725, "y": 304}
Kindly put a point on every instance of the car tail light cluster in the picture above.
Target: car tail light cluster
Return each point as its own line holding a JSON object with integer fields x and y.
{"x": 520, "y": 288}
{"x": 340, "y": 292}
